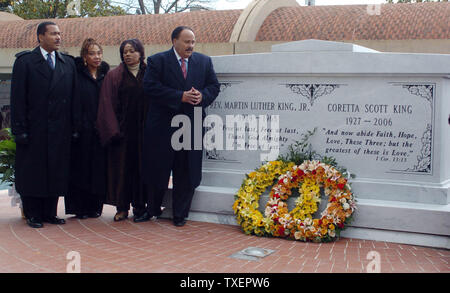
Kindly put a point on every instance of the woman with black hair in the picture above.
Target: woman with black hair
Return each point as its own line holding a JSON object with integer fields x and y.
{"x": 120, "y": 122}
{"x": 87, "y": 184}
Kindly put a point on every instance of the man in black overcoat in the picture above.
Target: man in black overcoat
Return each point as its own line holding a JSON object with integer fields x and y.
{"x": 178, "y": 82}
{"x": 43, "y": 94}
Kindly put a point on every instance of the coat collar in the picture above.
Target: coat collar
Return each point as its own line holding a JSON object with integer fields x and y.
{"x": 102, "y": 70}
{"x": 41, "y": 64}
{"x": 38, "y": 55}
{"x": 42, "y": 67}
{"x": 175, "y": 66}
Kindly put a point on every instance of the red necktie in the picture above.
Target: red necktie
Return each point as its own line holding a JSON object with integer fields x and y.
{"x": 183, "y": 67}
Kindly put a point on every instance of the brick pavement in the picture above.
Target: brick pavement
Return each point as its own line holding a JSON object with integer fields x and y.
{"x": 198, "y": 247}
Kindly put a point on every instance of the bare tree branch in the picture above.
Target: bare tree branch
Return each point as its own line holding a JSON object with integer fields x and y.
{"x": 142, "y": 7}
{"x": 172, "y": 6}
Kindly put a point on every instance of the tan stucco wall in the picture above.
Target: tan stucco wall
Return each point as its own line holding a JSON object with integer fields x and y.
{"x": 408, "y": 46}
{"x": 111, "y": 53}
{"x": 404, "y": 46}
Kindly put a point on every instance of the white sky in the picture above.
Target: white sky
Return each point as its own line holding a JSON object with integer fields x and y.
{"x": 241, "y": 4}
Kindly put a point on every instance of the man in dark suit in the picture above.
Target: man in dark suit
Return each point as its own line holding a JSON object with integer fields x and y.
{"x": 177, "y": 81}
{"x": 43, "y": 90}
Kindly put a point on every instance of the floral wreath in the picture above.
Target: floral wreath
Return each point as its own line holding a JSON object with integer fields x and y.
{"x": 298, "y": 224}
{"x": 246, "y": 205}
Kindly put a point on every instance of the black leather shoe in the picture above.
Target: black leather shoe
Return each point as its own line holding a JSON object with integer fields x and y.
{"x": 55, "y": 220}
{"x": 34, "y": 223}
{"x": 142, "y": 218}
{"x": 120, "y": 216}
{"x": 94, "y": 215}
{"x": 179, "y": 222}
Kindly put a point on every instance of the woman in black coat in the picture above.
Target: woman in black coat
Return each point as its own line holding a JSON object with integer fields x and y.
{"x": 120, "y": 122}
{"x": 88, "y": 158}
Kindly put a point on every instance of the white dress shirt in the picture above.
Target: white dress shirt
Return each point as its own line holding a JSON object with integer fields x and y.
{"x": 52, "y": 54}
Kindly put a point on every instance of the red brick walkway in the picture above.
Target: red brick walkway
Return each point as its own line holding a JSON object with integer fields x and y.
{"x": 158, "y": 246}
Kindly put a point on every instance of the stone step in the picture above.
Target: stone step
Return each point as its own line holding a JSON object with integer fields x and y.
{"x": 393, "y": 221}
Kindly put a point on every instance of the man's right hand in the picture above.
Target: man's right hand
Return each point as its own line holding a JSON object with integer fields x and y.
{"x": 191, "y": 97}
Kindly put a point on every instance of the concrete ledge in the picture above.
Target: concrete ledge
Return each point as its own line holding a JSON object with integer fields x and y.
{"x": 397, "y": 237}
{"x": 380, "y": 220}
{"x": 403, "y": 216}
{"x": 363, "y": 188}
{"x": 409, "y": 238}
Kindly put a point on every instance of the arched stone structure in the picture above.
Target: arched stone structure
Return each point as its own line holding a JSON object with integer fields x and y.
{"x": 5, "y": 16}
{"x": 253, "y": 16}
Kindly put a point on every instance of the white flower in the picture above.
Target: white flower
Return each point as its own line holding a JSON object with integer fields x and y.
{"x": 346, "y": 206}
{"x": 272, "y": 201}
{"x": 308, "y": 221}
{"x": 331, "y": 233}
{"x": 343, "y": 200}
{"x": 268, "y": 211}
{"x": 282, "y": 204}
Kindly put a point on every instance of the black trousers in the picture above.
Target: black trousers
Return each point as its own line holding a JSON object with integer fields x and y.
{"x": 80, "y": 202}
{"x": 39, "y": 207}
{"x": 182, "y": 192}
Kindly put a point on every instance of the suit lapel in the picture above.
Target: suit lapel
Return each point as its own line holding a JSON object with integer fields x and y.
{"x": 58, "y": 72}
{"x": 41, "y": 64}
{"x": 175, "y": 67}
{"x": 191, "y": 70}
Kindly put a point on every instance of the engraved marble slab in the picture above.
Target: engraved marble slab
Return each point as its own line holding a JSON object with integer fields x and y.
{"x": 387, "y": 123}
